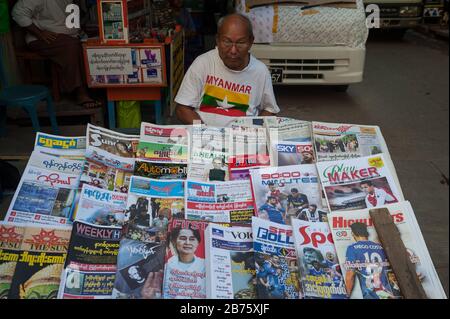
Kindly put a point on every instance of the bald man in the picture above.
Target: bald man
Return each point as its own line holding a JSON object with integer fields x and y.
{"x": 227, "y": 82}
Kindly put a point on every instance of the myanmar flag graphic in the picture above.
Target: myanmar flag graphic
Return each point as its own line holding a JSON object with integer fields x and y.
{"x": 225, "y": 102}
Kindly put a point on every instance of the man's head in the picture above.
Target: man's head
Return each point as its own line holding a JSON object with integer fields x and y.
{"x": 309, "y": 255}
{"x": 134, "y": 273}
{"x": 367, "y": 187}
{"x": 359, "y": 231}
{"x": 275, "y": 260}
{"x": 272, "y": 200}
{"x": 234, "y": 40}
{"x": 294, "y": 192}
{"x": 329, "y": 256}
{"x": 307, "y": 156}
{"x": 217, "y": 163}
{"x": 312, "y": 208}
{"x": 272, "y": 186}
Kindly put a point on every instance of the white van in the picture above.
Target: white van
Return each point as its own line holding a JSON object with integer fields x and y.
{"x": 398, "y": 14}
{"x": 321, "y": 45}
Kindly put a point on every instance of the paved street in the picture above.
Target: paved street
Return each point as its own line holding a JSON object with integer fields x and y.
{"x": 405, "y": 92}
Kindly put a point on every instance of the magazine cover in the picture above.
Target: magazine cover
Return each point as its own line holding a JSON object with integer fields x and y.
{"x": 359, "y": 183}
{"x": 210, "y": 154}
{"x": 105, "y": 177}
{"x": 39, "y": 159}
{"x": 255, "y": 121}
{"x": 319, "y": 269}
{"x": 140, "y": 269}
{"x": 44, "y": 196}
{"x": 336, "y": 142}
{"x": 185, "y": 268}
{"x": 289, "y": 130}
{"x": 249, "y": 141}
{"x": 165, "y": 134}
{"x": 101, "y": 207}
{"x": 110, "y": 159}
{"x": 239, "y": 166}
{"x": 275, "y": 260}
{"x": 38, "y": 261}
{"x": 230, "y": 262}
{"x": 102, "y": 143}
{"x": 292, "y": 153}
{"x": 61, "y": 146}
{"x": 226, "y": 202}
{"x": 366, "y": 269}
{"x": 156, "y": 170}
{"x": 151, "y": 204}
{"x": 164, "y": 153}
{"x": 11, "y": 236}
{"x": 90, "y": 267}
{"x": 282, "y": 193}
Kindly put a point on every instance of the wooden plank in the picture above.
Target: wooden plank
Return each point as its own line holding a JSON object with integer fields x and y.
{"x": 396, "y": 252}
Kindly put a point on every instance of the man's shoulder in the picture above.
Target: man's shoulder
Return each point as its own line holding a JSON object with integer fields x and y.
{"x": 259, "y": 65}
{"x": 206, "y": 57}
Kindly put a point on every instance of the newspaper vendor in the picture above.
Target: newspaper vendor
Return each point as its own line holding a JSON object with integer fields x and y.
{"x": 227, "y": 82}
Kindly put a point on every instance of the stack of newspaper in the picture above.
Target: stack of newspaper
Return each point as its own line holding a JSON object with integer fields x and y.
{"x": 47, "y": 192}
{"x": 267, "y": 208}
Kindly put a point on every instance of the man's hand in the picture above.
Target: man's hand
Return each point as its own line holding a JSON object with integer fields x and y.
{"x": 152, "y": 286}
{"x": 266, "y": 113}
{"x": 42, "y": 35}
{"x": 47, "y": 36}
{"x": 187, "y": 115}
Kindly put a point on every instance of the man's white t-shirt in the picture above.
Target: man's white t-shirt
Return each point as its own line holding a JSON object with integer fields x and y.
{"x": 49, "y": 15}
{"x": 220, "y": 95}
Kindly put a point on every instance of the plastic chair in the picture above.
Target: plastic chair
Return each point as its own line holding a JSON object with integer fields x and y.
{"x": 27, "y": 97}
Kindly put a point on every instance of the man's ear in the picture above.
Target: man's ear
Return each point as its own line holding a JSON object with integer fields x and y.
{"x": 217, "y": 40}
{"x": 252, "y": 40}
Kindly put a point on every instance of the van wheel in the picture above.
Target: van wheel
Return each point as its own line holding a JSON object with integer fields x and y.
{"x": 341, "y": 88}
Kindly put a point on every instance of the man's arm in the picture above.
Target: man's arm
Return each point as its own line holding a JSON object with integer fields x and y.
{"x": 266, "y": 113}
{"x": 187, "y": 115}
{"x": 349, "y": 281}
{"x": 269, "y": 106}
{"x": 23, "y": 13}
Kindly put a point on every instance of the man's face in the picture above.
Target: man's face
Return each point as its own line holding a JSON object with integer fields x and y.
{"x": 312, "y": 209}
{"x": 234, "y": 43}
{"x": 134, "y": 273}
{"x": 295, "y": 194}
{"x": 367, "y": 188}
{"x": 272, "y": 201}
{"x": 275, "y": 260}
{"x": 217, "y": 165}
{"x": 309, "y": 257}
{"x": 307, "y": 156}
{"x": 330, "y": 256}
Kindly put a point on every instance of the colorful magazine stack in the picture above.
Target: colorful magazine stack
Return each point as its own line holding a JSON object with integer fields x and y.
{"x": 166, "y": 216}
